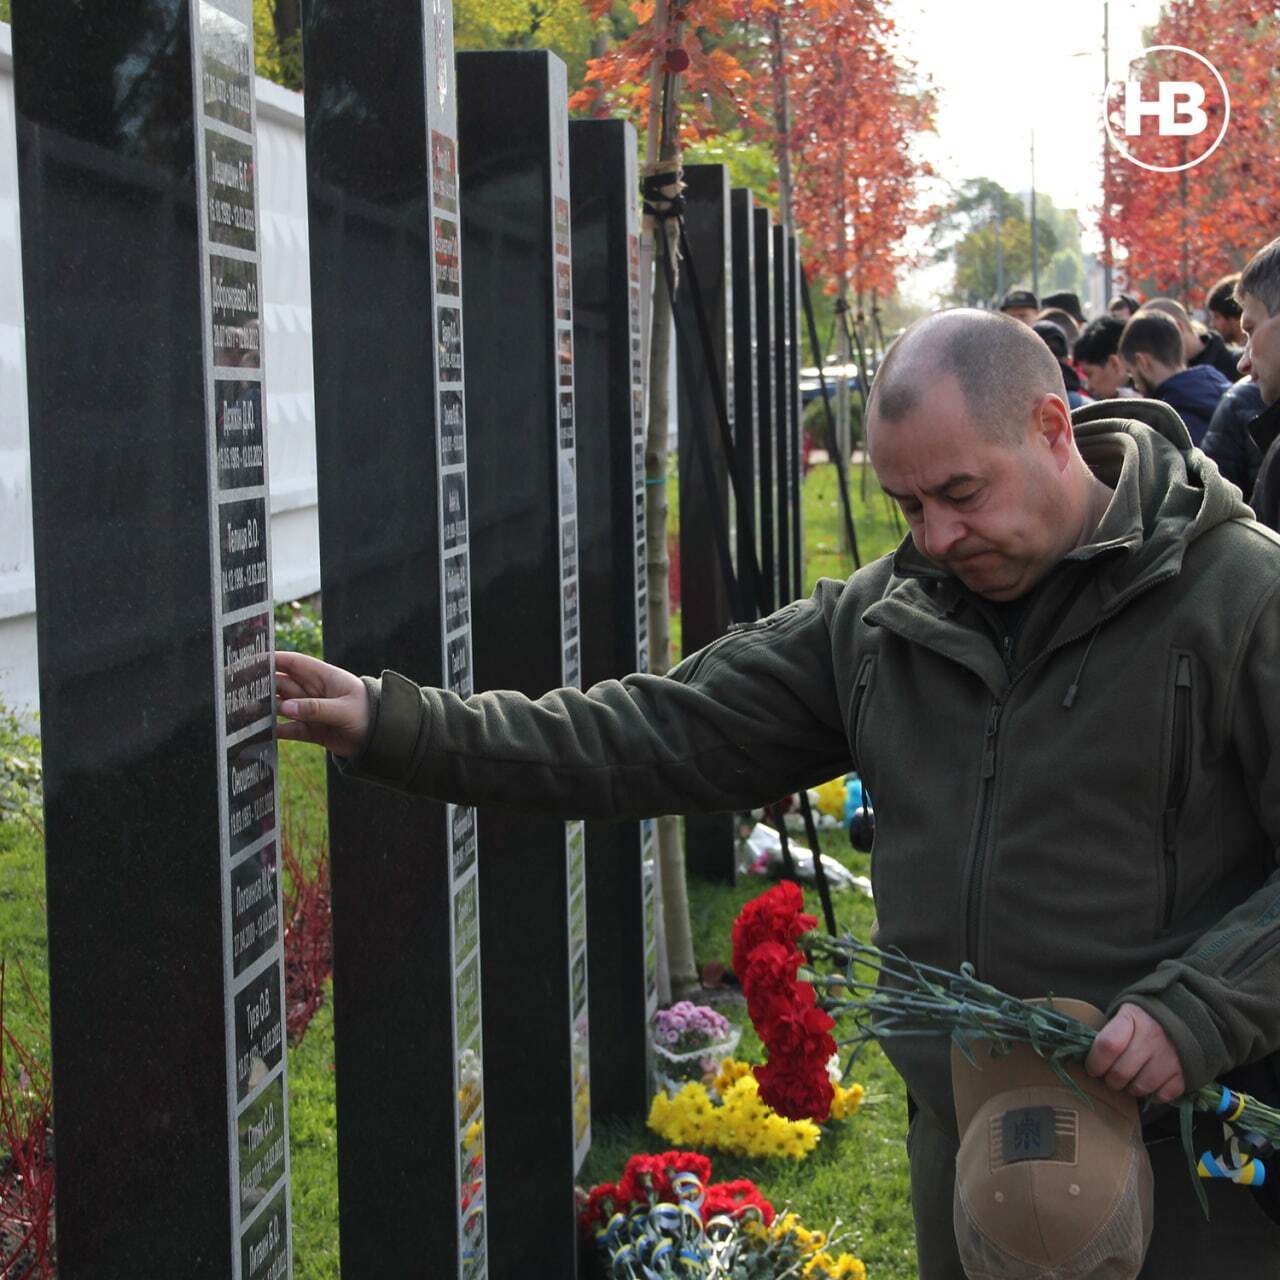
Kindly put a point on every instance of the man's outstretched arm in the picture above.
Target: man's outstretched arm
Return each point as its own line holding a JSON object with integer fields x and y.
{"x": 751, "y": 717}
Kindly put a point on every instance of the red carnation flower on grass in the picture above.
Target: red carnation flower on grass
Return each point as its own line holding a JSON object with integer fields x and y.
{"x": 647, "y": 1180}
{"x": 775, "y": 916}
{"x": 796, "y": 1033}
{"x": 649, "y": 1177}
{"x": 798, "y": 1095}
{"x": 732, "y": 1197}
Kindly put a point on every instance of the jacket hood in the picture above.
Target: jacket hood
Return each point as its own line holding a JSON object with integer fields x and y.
{"x": 1198, "y": 389}
{"x": 1166, "y": 494}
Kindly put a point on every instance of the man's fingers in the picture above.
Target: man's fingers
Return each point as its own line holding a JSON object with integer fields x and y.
{"x": 335, "y": 711}
{"x": 1129, "y": 1065}
{"x": 1154, "y": 1075}
{"x": 288, "y": 687}
{"x": 295, "y": 730}
{"x": 300, "y": 665}
{"x": 1173, "y": 1088}
{"x": 1109, "y": 1044}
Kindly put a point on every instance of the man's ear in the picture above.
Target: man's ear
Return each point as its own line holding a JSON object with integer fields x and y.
{"x": 1052, "y": 422}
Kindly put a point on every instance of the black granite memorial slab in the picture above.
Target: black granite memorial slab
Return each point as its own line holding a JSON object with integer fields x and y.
{"x": 392, "y": 453}
{"x": 765, "y": 407}
{"x": 516, "y": 239}
{"x": 796, "y": 478}
{"x": 609, "y": 389}
{"x": 140, "y": 271}
{"x": 746, "y": 391}
{"x": 707, "y": 512}
{"x": 783, "y": 462}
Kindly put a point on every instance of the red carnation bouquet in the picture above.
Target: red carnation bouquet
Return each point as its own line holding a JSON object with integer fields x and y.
{"x": 796, "y": 1033}
{"x": 655, "y": 1179}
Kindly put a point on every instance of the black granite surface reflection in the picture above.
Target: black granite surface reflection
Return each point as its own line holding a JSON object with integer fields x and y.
{"x": 705, "y": 602}
{"x": 515, "y": 373}
{"x": 794, "y": 408}
{"x": 601, "y": 158}
{"x": 783, "y": 460}
{"x": 373, "y": 330}
{"x": 745, "y": 438}
{"x": 765, "y": 406}
{"x": 119, "y": 472}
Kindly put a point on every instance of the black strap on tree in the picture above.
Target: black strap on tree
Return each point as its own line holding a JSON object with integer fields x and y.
{"x": 752, "y": 596}
{"x": 750, "y": 589}
{"x": 850, "y": 528}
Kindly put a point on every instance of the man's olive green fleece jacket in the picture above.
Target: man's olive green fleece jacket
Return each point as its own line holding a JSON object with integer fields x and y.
{"x": 1090, "y": 808}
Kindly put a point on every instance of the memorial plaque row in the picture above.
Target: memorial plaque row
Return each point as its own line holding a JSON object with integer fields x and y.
{"x": 258, "y": 1140}
{"x": 455, "y": 578}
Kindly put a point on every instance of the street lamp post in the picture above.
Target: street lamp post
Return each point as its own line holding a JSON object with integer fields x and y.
{"x": 1035, "y": 230}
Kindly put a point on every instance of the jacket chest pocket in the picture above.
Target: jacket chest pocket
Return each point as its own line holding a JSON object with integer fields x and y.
{"x": 1175, "y": 779}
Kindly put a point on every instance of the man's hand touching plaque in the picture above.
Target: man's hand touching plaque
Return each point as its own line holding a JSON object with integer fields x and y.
{"x": 321, "y": 704}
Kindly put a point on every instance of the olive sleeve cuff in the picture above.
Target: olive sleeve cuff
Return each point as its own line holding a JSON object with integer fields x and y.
{"x": 396, "y": 738}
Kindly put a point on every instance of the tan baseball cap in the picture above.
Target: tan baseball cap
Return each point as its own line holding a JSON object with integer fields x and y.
{"x": 1048, "y": 1187}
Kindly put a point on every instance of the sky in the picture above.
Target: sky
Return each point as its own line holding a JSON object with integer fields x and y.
{"x": 1002, "y": 68}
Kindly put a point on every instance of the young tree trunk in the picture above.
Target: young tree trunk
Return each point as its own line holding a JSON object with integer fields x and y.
{"x": 288, "y": 19}
{"x": 782, "y": 125}
{"x": 682, "y": 973}
{"x": 844, "y": 442}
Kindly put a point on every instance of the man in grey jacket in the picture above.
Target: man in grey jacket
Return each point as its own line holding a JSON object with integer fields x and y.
{"x": 1062, "y": 691}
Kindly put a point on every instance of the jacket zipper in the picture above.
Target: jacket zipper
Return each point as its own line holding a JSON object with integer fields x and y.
{"x": 984, "y": 823}
{"x": 973, "y": 907}
{"x": 859, "y": 693}
{"x": 1179, "y": 778}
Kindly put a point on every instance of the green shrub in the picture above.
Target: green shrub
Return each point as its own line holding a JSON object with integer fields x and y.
{"x": 299, "y": 628}
{"x": 21, "y": 774}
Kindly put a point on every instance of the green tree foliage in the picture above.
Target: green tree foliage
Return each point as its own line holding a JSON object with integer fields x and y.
{"x": 563, "y": 26}
{"x": 750, "y": 163}
{"x": 986, "y": 227}
{"x": 277, "y": 41}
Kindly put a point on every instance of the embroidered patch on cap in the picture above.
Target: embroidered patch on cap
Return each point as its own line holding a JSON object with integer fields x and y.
{"x": 1028, "y": 1134}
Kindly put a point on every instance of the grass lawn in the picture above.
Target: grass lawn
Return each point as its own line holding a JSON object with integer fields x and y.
{"x": 857, "y": 1173}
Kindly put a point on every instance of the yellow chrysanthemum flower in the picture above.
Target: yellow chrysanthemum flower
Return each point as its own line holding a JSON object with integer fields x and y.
{"x": 742, "y": 1123}
{"x": 831, "y": 798}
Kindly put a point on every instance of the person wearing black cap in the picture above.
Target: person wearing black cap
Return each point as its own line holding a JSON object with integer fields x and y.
{"x": 1056, "y": 341}
{"x": 1065, "y": 301}
{"x": 1020, "y": 304}
{"x": 1123, "y": 306}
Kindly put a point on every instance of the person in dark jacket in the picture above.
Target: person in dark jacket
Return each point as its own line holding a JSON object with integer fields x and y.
{"x": 1151, "y": 348}
{"x": 1055, "y": 339}
{"x": 1077, "y": 594}
{"x": 1259, "y": 295}
{"x": 1224, "y": 311}
{"x": 1097, "y": 356}
{"x": 1200, "y": 346}
{"x": 1227, "y": 441}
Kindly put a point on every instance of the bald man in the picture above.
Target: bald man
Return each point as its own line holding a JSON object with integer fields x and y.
{"x": 1061, "y": 692}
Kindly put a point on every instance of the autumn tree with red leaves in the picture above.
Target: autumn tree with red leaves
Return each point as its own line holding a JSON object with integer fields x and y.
{"x": 1181, "y": 231}
{"x": 819, "y": 81}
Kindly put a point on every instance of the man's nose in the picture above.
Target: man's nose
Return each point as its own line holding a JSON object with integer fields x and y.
{"x": 942, "y": 530}
{"x": 1245, "y": 363}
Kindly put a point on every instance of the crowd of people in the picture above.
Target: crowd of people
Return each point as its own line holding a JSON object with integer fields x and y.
{"x": 1197, "y": 357}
